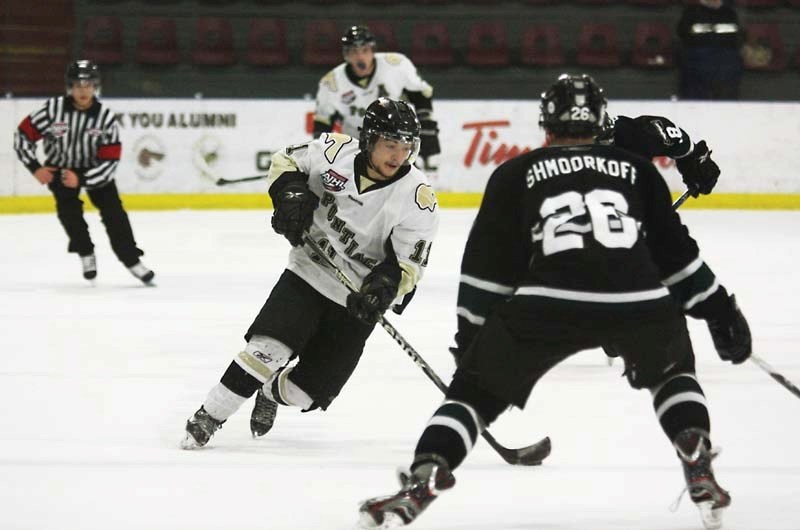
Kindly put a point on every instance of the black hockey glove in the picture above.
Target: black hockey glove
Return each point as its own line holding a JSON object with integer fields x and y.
{"x": 294, "y": 206}
{"x": 376, "y": 294}
{"x": 730, "y": 333}
{"x": 698, "y": 170}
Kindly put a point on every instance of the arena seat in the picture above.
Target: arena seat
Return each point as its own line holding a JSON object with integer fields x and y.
{"x": 487, "y": 44}
{"x": 430, "y": 44}
{"x": 266, "y": 42}
{"x": 157, "y": 42}
{"x": 213, "y": 42}
{"x": 652, "y": 45}
{"x": 541, "y": 46}
{"x": 102, "y": 41}
{"x": 597, "y": 45}
{"x": 323, "y": 46}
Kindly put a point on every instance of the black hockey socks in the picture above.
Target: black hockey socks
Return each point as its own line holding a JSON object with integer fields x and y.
{"x": 239, "y": 381}
{"x": 680, "y": 404}
{"x": 451, "y": 433}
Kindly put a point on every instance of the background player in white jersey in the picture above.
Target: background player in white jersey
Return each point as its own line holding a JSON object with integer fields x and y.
{"x": 345, "y": 91}
{"x": 375, "y": 215}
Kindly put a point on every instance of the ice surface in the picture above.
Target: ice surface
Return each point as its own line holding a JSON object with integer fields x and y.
{"x": 97, "y": 382}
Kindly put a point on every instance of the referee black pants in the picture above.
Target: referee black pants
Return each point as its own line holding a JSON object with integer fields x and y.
{"x": 69, "y": 208}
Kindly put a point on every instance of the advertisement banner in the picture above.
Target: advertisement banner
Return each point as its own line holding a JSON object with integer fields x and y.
{"x": 186, "y": 145}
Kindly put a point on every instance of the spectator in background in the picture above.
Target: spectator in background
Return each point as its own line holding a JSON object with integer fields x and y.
{"x": 711, "y": 63}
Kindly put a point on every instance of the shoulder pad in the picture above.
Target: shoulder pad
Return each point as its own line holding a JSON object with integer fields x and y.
{"x": 329, "y": 81}
{"x": 393, "y": 58}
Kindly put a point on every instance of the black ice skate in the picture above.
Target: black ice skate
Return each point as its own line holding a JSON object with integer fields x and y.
{"x": 418, "y": 490}
{"x": 199, "y": 429}
{"x": 89, "y": 264}
{"x": 263, "y": 415}
{"x": 143, "y": 273}
{"x": 703, "y": 489}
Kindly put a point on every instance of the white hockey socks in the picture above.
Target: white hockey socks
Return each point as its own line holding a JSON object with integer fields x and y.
{"x": 285, "y": 392}
{"x": 221, "y": 403}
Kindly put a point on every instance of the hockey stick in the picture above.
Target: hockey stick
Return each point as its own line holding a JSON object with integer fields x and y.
{"x": 775, "y": 375}
{"x": 225, "y": 182}
{"x": 681, "y": 200}
{"x": 761, "y": 363}
{"x": 531, "y": 455}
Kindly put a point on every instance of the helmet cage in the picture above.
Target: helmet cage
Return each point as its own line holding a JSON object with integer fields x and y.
{"x": 574, "y": 106}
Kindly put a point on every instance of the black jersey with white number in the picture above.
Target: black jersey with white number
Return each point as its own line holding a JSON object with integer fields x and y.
{"x": 85, "y": 141}
{"x": 587, "y": 224}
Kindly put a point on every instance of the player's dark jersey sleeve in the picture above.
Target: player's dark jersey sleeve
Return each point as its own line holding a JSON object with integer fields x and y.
{"x": 690, "y": 280}
{"x": 651, "y": 136}
{"x": 496, "y": 254}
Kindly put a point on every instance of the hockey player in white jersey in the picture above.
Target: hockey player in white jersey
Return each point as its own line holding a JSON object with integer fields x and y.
{"x": 375, "y": 214}
{"x": 345, "y": 91}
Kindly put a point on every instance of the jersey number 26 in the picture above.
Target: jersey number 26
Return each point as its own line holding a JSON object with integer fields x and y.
{"x": 565, "y": 224}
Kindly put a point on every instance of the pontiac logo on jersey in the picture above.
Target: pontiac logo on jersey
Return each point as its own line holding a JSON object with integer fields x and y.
{"x": 332, "y": 181}
{"x": 426, "y": 199}
{"x": 348, "y": 97}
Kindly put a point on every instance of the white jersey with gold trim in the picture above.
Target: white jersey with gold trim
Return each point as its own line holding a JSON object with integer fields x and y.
{"x": 338, "y": 96}
{"x": 359, "y": 228}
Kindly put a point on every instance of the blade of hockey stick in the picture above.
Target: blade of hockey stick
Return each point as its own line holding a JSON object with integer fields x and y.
{"x": 225, "y": 182}
{"x": 775, "y": 375}
{"x": 531, "y": 455}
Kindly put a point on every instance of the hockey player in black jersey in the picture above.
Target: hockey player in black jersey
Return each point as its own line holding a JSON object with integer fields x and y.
{"x": 575, "y": 246}
{"x": 82, "y": 150}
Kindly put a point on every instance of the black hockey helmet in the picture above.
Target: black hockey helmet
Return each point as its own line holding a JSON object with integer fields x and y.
{"x": 82, "y": 70}
{"x": 574, "y": 106}
{"x": 357, "y": 36}
{"x": 391, "y": 119}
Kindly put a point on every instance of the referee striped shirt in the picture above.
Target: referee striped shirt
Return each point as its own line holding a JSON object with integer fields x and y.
{"x": 85, "y": 141}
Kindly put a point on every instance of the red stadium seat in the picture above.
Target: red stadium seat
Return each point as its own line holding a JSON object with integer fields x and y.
{"x": 652, "y": 3}
{"x": 597, "y": 45}
{"x": 652, "y": 45}
{"x": 102, "y": 42}
{"x": 430, "y": 44}
{"x": 384, "y": 34}
{"x": 541, "y": 46}
{"x": 487, "y": 44}
{"x": 766, "y": 37}
{"x": 758, "y": 3}
{"x": 158, "y": 41}
{"x": 213, "y": 42}
{"x": 266, "y": 43}
{"x": 323, "y": 45}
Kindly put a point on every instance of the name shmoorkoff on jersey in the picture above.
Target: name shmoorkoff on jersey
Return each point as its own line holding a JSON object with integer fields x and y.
{"x": 554, "y": 167}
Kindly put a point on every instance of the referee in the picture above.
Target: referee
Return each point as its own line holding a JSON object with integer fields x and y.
{"x": 81, "y": 148}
